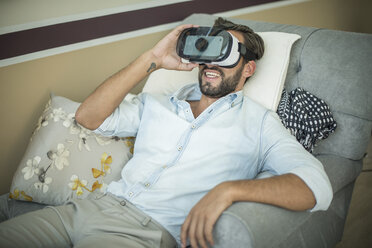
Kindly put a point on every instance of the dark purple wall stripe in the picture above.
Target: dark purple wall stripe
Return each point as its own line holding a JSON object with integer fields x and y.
{"x": 38, "y": 39}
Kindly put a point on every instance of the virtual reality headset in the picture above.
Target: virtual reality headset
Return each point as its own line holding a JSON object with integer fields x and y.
{"x": 209, "y": 45}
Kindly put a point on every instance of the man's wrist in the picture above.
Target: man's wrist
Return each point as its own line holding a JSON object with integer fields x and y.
{"x": 153, "y": 61}
{"x": 228, "y": 189}
{"x": 148, "y": 62}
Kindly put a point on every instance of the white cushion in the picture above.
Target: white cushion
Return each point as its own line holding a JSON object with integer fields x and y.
{"x": 264, "y": 87}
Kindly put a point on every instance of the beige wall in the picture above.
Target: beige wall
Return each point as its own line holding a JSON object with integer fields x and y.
{"x": 24, "y": 87}
{"x": 346, "y": 15}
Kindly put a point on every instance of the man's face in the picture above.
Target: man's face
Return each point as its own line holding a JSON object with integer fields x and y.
{"x": 216, "y": 82}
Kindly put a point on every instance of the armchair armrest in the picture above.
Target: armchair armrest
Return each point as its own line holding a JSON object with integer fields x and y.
{"x": 248, "y": 224}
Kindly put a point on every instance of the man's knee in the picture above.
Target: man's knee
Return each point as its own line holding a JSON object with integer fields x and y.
{"x": 41, "y": 228}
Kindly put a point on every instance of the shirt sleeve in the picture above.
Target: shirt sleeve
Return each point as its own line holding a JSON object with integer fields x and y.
{"x": 125, "y": 119}
{"x": 281, "y": 154}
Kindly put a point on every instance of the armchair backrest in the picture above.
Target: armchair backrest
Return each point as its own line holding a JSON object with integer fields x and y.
{"x": 335, "y": 66}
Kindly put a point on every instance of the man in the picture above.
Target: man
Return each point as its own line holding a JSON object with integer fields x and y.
{"x": 196, "y": 153}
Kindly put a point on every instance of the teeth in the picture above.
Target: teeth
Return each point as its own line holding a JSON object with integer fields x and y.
{"x": 212, "y": 74}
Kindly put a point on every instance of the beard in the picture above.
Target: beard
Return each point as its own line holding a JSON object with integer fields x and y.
{"x": 226, "y": 86}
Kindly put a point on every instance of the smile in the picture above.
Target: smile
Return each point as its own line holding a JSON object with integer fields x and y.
{"x": 212, "y": 74}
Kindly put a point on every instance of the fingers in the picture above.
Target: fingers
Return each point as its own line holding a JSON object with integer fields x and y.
{"x": 208, "y": 231}
{"x": 199, "y": 223}
{"x": 187, "y": 66}
{"x": 198, "y": 228}
{"x": 175, "y": 33}
{"x": 184, "y": 231}
{"x": 165, "y": 51}
{"x": 199, "y": 234}
{"x": 192, "y": 238}
{"x": 178, "y": 30}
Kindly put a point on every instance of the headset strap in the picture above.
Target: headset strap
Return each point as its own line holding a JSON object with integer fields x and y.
{"x": 246, "y": 53}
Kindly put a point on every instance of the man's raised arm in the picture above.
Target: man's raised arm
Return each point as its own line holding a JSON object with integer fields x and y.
{"x": 103, "y": 101}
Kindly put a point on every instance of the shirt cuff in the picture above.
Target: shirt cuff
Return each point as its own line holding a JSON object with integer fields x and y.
{"x": 103, "y": 129}
{"x": 318, "y": 183}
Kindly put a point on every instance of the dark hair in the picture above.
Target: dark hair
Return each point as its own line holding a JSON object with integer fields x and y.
{"x": 252, "y": 41}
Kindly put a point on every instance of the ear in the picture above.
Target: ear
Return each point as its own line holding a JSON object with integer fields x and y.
{"x": 249, "y": 68}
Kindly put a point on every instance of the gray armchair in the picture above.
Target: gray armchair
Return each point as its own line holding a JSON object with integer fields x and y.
{"x": 336, "y": 67}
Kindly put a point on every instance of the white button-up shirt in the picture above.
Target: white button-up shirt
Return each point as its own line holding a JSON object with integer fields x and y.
{"x": 178, "y": 158}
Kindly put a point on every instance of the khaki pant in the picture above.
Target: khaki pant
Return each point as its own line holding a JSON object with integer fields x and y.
{"x": 99, "y": 221}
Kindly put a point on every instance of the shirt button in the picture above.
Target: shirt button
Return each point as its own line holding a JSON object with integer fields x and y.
{"x": 164, "y": 166}
{"x": 179, "y": 148}
{"x": 193, "y": 126}
{"x": 147, "y": 185}
{"x": 130, "y": 194}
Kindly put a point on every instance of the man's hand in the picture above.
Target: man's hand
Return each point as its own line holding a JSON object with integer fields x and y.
{"x": 198, "y": 225}
{"x": 286, "y": 191}
{"x": 165, "y": 51}
{"x": 103, "y": 101}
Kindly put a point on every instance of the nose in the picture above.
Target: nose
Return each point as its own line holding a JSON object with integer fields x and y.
{"x": 209, "y": 66}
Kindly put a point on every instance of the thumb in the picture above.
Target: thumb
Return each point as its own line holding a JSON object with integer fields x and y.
{"x": 187, "y": 66}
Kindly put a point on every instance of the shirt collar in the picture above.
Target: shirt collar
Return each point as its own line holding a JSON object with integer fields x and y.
{"x": 188, "y": 92}
{"x": 192, "y": 92}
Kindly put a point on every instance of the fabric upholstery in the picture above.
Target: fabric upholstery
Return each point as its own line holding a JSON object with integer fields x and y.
{"x": 340, "y": 171}
{"x": 342, "y": 78}
{"x": 267, "y": 226}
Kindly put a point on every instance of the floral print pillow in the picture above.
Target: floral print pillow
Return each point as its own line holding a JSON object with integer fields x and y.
{"x": 64, "y": 160}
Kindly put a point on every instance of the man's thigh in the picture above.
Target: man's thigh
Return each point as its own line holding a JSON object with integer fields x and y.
{"x": 41, "y": 228}
{"x": 113, "y": 240}
{"x": 113, "y": 222}
{"x": 81, "y": 221}
{"x": 10, "y": 208}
